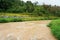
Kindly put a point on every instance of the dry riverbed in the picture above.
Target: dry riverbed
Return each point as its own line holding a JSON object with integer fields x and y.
{"x": 31, "y": 30}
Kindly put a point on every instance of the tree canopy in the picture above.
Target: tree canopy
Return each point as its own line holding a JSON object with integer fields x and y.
{"x": 18, "y": 6}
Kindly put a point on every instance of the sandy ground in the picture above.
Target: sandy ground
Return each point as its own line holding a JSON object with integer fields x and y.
{"x": 31, "y": 30}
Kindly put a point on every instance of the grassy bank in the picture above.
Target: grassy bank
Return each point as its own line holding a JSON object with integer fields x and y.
{"x": 55, "y": 28}
{"x": 18, "y": 17}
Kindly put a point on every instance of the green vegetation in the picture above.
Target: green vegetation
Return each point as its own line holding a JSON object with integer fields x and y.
{"x": 20, "y": 19}
{"x": 5, "y": 20}
{"x": 55, "y": 28}
{"x": 17, "y": 10}
{"x": 18, "y": 6}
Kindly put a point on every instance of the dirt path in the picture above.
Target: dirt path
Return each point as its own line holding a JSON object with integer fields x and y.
{"x": 32, "y": 30}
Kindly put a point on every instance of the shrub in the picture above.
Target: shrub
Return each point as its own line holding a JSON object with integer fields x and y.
{"x": 55, "y": 28}
{"x": 16, "y": 20}
{"x": 3, "y": 20}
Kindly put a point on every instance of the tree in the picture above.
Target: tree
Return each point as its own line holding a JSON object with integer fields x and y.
{"x": 29, "y": 6}
{"x": 6, "y": 4}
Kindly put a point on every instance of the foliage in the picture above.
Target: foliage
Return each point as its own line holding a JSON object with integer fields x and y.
{"x": 55, "y": 28}
{"x": 18, "y": 6}
{"x": 20, "y": 17}
{"x": 5, "y": 20}
{"x": 6, "y": 4}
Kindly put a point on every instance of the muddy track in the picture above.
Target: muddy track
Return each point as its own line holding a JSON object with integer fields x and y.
{"x": 31, "y": 30}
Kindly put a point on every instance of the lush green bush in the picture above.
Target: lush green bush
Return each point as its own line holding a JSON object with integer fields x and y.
{"x": 4, "y": 20}
{"x": 55, "y": 28}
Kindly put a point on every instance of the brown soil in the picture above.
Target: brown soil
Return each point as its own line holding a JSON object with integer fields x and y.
{"x": 31, "y": 30}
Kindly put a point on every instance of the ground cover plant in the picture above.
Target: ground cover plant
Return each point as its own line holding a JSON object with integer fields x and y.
{"x": 55, "y": 28}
